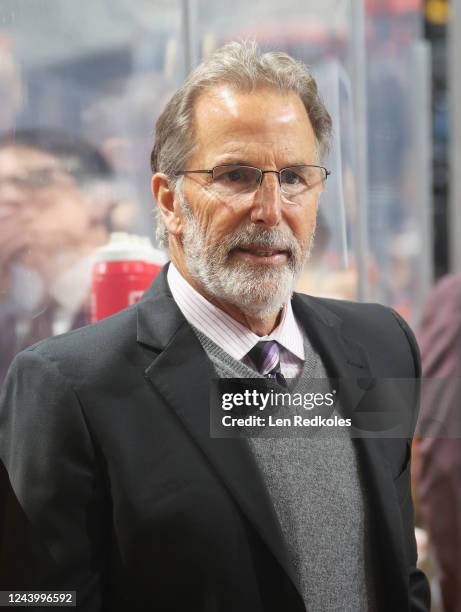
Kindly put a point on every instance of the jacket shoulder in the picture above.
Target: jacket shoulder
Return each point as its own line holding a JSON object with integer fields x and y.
{"x": 355, "y": 313}
{"x": 373, "y": 325}
{"x": 346, "y": 308}
{"x": 88, "y": 353}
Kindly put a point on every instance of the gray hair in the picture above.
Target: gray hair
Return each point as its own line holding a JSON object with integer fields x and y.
{"x": 243, "y": 67}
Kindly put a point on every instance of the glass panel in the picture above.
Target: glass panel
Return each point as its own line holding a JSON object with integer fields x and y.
{"x": 88, "y": 81}
{"x": 81, "y": 85}
{"x": 399, "y": 158}
{"x": 315, "y": 33}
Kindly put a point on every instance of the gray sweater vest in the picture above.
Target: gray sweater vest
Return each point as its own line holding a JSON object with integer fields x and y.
{"x": 316, "y": 489}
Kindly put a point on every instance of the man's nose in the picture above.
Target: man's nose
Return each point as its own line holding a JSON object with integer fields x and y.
{"x": 267, "y": 205}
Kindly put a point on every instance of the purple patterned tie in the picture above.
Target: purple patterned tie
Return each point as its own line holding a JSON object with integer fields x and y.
{"x": 266, "y": 357}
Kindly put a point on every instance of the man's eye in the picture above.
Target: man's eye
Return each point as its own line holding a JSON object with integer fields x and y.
{"x": 233, "y": 176}
{"x": 291, "y": 178}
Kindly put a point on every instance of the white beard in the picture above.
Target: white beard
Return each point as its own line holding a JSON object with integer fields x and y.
{"x": 257, "y": 290}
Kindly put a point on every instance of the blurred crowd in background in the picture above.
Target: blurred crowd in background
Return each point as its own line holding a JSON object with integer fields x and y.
{"x": 81, "y": 86}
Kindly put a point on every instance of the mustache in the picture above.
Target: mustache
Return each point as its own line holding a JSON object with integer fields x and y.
{"x": 246, "y": 237}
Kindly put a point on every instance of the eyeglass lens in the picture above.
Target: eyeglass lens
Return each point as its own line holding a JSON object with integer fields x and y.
{"x": 34, "y": 179}
{"x": 242, "y": 180}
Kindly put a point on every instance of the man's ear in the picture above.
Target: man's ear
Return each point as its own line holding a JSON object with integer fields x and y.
{"x": 165, "y": 197}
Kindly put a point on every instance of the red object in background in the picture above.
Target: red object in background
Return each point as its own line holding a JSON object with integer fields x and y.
{"x": 123, "y": 271}
{"x": 394, "y": 6}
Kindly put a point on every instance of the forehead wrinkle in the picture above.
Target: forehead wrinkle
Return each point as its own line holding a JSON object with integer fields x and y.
{"x": 283, "y": 157}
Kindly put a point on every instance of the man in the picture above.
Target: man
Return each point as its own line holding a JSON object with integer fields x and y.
{"x": 118, "y": 490}
{"x": 54, "y": 214}
{"x": 438, "y": 477}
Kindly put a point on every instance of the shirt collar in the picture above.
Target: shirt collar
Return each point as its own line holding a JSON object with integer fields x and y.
{"x": 229, "y": 334}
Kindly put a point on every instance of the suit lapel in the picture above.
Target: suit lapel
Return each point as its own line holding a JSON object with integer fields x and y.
{"x": 347, "y": 361}
{"x": 182, "y": 373}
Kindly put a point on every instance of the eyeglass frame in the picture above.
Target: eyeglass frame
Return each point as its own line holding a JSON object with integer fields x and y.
{"x": 48, "y": 178}
{"x": 261, "y": 171}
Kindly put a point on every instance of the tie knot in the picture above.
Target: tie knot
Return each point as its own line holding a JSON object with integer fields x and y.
{"x": 266, "y": 356}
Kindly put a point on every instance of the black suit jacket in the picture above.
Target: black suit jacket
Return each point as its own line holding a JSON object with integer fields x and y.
{"x": 112, "y": 485}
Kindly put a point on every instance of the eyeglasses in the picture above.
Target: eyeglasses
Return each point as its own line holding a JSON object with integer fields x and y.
{"x": 35, "y": 179}
{"x": 231, "y": 180}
